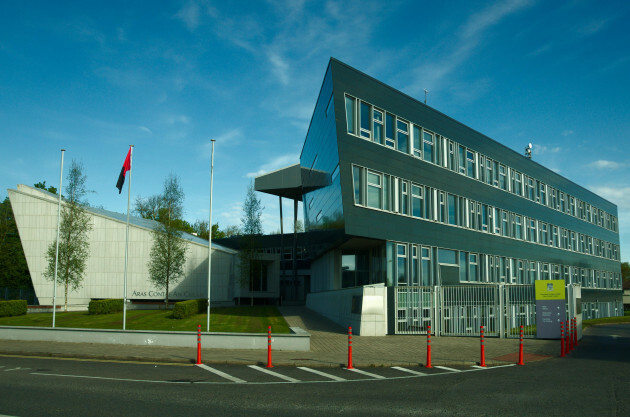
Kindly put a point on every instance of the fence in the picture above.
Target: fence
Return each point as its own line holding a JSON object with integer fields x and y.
{"x": 461, "y": 310}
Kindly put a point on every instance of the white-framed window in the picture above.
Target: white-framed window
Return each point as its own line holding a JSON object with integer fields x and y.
{"x": 402, "y": 136}
{"x": 428, "y": 140}
{"x": 390, "y": 132}
{"x": 374, "y": 190}
{"x": 377, "y": 123}
{"x": 365, "y": 118}
{"x": 417, "y": 142}
{"x": 351, "y": 105}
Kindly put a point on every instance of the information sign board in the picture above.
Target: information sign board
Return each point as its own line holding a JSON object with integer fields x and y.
{"x": 550, "y": 308}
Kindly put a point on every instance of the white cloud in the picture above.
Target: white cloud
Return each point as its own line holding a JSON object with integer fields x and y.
{"x": 567, "y": 133}
{"x": 607, "y": 165}
{"x": 145, "y": 129}
{"x": 180, "y": 118}
{"x": 542, "y": 149}
{"x": 189, "y": 15}
{"x": 277, "y": 163}
{"x": 618, "y": 195}
{"x": 432, "y": 74}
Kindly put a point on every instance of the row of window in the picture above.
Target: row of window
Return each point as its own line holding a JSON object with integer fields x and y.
{"x": 379, "y": 126}
{"x": 415, "y": 265}
{"x": 380, "y": 191}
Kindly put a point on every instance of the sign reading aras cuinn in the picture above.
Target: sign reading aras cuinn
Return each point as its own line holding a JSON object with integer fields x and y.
{"x": 550, "y": 308}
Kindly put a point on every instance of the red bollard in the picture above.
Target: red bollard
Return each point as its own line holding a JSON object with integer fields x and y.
{"x": 350, "y": 348}
{"x": 428, "y": 365}
{"x": 199, "y": 344}
{"x": 520, "y": 349}
{"x": 562, "y": 339}
{"x": 269, "y": 365}
{"x": 483, "y": 351}
{"x": 575, "y": 338}
{"x": 571, "y": 335}
{"x": 567, "y": 340}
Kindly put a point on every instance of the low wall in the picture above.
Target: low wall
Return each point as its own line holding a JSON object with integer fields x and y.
{"x": 363, "y": 308}
{"x": 298, "y": 340}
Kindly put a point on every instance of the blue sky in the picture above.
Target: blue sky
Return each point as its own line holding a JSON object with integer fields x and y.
{"x": 94, "y": 77}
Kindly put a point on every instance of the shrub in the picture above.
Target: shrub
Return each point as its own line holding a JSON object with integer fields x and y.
{"x": 112, "y": 305}
{"x": 183, "y": 309}
{"x": 13, "y": 308}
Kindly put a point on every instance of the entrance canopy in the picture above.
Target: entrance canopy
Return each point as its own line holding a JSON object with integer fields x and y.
{"x": 291, "y": 182}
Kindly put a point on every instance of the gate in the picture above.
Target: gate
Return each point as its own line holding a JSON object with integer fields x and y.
{"x": 460, "y": 310}
{"x": 414, "y": 309}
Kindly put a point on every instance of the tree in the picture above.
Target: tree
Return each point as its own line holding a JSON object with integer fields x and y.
{"x": 251, "y": 230}
{"x": 232, "y": 230}
{"x": 74, "y": 246}
{"x": 625, "y": 271}
{"x": 14, "y": 271}
{"x": 168, "y": 253}
{"x": 42, "y": 185}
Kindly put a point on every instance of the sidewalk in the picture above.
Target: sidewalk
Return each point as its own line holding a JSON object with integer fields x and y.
{"x": 329, "y": 348}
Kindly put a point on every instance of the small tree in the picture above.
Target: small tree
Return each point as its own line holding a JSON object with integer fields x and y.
{"x": 74, "y": 246}
{"x": 251, "y": 230}
{"x": 168, "y": 253}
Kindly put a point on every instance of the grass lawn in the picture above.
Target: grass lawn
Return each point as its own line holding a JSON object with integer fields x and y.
{"x": 225, "y": 319}
{"x": 606, "y": 320}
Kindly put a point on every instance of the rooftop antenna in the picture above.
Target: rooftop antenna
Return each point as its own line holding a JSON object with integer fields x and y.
{"x": 528, "y": 150}
{"x": 425, "y": 95}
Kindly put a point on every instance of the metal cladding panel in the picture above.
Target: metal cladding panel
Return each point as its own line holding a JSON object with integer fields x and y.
{"x": 376, "y": 224}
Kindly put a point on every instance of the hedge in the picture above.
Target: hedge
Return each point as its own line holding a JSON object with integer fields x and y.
{"x": 183, "y": 309}
{"x": 112, "y": 305}
{"x": 13, "y": 308}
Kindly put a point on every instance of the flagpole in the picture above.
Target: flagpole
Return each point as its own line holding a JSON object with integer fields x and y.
{"x": 127, "y": 240}
{"x": 210, "y": 233}
{"x": 57, "y": 242}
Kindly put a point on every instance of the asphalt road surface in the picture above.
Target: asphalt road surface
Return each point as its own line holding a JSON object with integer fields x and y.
{"x": 592, "y": 381}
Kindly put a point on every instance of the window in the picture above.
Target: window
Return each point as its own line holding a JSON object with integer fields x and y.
{"x": 374, "y": 190}
{"x": 378, "y": 126}
{"x": 428, "y": 203}
{"x": 470, "y": 164}
{"x": 417, "y": 142}
{"x": 543, "y": 194}
{"x": 482, "y": 169}
{"x": 389, "y": 130}
{"x": 518, "y": 231}
{"x": 473, "y": 274}
{"x": 462, "y": 159}
{"x": 427, "y": 268}
{"x": 504, "y": 224}
{"x": 404, "y": 198}
{"x": 350, "y": 114}
{"x": 402, "y": 136}
{"x": 484, "y": 217}
{"x": 416, "y": 201}
{"x": 446, "y": 256}
{"x": 463, "y": 268}
{"x": 452, "y": 209}
{"x": 442, "y": 207}
{"x": 428, "y": 140}
{"x": 366, "y": 111}
{"x": 451, "y": 161}
{"x": 258, "y": 280}
{"x": 387, "y": 180}
{"x": 414, "y": 266}
{"x": 356, "y": 176}
{"x": 516, "y": 186}
{"x": 401, "y": 264}
{"x": 502, "y": 177}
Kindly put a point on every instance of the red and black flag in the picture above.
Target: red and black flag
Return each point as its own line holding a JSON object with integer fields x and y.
{"x": 126, "y": 167}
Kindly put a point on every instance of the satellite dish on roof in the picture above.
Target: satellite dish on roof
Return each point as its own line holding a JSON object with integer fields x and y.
{"x": 528, "y": 150}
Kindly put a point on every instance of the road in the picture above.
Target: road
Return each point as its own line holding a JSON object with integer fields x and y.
{"x": 592, "y": 380}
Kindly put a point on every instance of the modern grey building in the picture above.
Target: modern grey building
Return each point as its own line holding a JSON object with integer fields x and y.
{"x": 432, "y": 223}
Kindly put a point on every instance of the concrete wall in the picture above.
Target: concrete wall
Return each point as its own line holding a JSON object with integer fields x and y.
{"x": 299, "y": 340}
{"x": 36, "y": 217}
{"x": 363, "y": 308}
